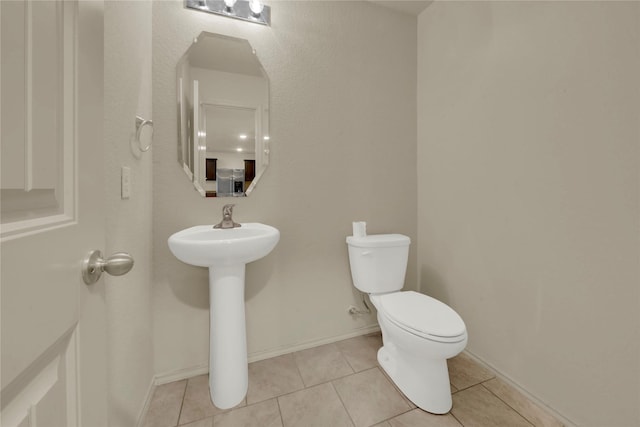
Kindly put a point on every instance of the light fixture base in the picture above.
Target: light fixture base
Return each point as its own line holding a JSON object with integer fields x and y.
{"x": 240, "y": 10}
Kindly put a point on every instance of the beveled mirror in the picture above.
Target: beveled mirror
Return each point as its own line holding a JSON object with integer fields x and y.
{"x": 223, "y": 116}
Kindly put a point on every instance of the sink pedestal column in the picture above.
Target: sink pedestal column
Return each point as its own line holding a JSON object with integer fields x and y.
{"x": 228, "y": 370}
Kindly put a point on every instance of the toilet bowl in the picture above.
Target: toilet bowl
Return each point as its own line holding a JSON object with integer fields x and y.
{"x": 416, "y": 348}
{"x": 419, "y": 333}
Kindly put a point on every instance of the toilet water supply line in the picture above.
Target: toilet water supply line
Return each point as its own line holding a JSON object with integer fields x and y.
{"x": 359, "y": 230}
{"x": 355, "y": 311}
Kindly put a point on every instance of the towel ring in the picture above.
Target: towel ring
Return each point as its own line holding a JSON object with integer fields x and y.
{"x": 140, "y": 123}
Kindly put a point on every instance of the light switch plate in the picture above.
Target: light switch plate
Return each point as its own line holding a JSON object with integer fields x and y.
{"x": 125, "y": 182}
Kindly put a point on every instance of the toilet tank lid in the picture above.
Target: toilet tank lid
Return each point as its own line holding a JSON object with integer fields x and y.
{"x": 379, "y": 240}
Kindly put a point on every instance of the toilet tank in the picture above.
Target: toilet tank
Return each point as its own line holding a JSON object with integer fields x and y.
{"x": 378, "y": 262}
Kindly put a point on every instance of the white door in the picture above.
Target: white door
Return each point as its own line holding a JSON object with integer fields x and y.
{"x": 53, "y": 326}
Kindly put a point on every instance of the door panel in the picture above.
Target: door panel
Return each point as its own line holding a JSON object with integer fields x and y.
{"x": 53, "y": 326}
{"x": 38, "y": 71}
{"x": 43, "y": 394}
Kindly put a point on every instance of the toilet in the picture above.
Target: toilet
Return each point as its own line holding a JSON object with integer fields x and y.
{"x": 419, "y": 333}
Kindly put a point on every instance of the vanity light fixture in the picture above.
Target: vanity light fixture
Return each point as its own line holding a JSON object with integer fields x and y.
{"x": 246, "y": 10}
{"x": 229, "y": 5}
{"x": 256, "y": 7}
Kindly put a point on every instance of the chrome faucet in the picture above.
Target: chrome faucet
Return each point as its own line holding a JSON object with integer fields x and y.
{"x": 227, "y": 220}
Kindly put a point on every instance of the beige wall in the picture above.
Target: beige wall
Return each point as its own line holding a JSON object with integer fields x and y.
{"x": 127, "y": 83}
{"x": 343, "y": 134}
{"x": 528, "y": 217}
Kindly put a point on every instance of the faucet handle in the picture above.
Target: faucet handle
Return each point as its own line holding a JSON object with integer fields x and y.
{"x": 227, "y": 220}
{"x": 227, "y": 210}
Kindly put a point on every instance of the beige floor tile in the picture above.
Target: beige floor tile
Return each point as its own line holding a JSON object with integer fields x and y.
{"x": 512, "y": 397}
{"x": 318, "y": 406}
{"x": 361, "y": 352}
{"x": 465, "y": 372}
{"x": 409, "y": 402}
{"x": 363, "y": 398}
{"x": 478, "y": 407}
{"x": 321, "y": 364}
{"x": 206, "y": 422}
{"x": 420, "y": 418}
{"x": 197, "y": 402}
{"x": 263, "y": 414}
{"x": 370, "y": 397}
{"x": 273, "y": 377}
{"x": 165, "y": 405}
{"x": 406, "y": 399}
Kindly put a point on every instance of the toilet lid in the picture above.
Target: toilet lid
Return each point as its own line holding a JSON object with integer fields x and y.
{"x": 422, "y": 315}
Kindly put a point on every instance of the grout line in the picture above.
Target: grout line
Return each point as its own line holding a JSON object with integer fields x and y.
{"x": 282, "y": 394}
{"x": 473, "y": 385}
{"x": 353, "y": 371}
{"x": 332, "y": 381}
{"x": 295, "y": 361}
{"x": 395, "y": 386}
{"x": 468, "y": 387}
{"x": 501, "y": 400}
{"x": 455, "y": 418}
{"x": 336, "y": 378}
{"x": 542, "y": 404}
{"x": 184, "y": 394}
{"x": 345, "y": 358}
{"x": 400, "y": 414}
{"x": 342, "y": 402}
{"x": 280, "y": 411}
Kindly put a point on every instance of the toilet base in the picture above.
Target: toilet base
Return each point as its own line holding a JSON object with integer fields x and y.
{"x": 425, "y": 382}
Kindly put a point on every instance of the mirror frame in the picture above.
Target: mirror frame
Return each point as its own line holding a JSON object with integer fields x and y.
{"x": 191, "y": 122}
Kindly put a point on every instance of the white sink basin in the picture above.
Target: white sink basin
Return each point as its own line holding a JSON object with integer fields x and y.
{"x": 205, "y": 246}
{"x": 225, "y": 252}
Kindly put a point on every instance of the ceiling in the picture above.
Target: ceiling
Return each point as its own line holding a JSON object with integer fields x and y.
{"x": 412, "y": 7}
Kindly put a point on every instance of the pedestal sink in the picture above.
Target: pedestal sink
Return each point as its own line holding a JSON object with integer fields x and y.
{"x": 225, "y": 252}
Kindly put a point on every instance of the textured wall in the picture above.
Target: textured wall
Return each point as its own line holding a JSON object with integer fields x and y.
{"x": 528, "y": 146}
{"x": 343, "y": 134}
{"x": 127, "y": 83}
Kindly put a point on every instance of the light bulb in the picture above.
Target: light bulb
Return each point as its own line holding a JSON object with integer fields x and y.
{"x": 256, "y": 7}
{"x": 243, "y": 136}
{"x": 229, "y": 3}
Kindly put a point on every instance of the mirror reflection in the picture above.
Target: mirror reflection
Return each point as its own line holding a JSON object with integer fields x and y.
{"x": 223, "y": 116}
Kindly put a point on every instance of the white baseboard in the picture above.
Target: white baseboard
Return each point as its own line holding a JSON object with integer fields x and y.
{"x": 267, "y": 354}
{"x": 181, "y": 374}
{"x": 509, "y": 381}
{"x": 147, "y": 402}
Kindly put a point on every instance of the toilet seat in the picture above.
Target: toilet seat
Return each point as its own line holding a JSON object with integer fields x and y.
{"x": 422, "y": 315}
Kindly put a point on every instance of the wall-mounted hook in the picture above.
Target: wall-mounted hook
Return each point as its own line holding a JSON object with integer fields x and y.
{"x": 140, "y": 123}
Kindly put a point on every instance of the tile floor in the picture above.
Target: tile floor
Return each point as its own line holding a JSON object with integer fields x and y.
{"x": 341, "y": 384}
